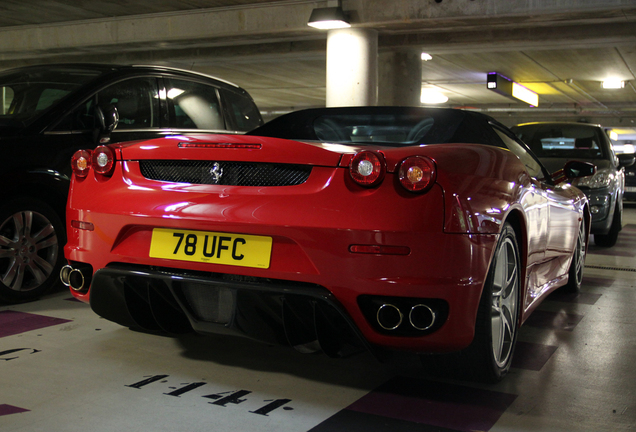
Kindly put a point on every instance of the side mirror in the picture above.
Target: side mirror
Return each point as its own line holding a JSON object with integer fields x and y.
{"x": 626, "y": 159}
{"x": 574, "y": 169}
{"x": 107, "y": 121}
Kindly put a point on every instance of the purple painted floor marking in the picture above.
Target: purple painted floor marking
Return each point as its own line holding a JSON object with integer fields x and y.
{"x": 10, "y": 409}
{"x": 13, "y": 322}
{"x": 435, "y": 404}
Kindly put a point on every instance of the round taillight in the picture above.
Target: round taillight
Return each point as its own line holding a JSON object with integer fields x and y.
{"x": 81, "y": 163}
{"x": 367, "y": 168}
{"x": 417, "y": 173}
{"x": 103, "y": 160}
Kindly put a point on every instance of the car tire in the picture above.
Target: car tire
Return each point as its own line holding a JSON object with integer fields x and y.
{"x": 498, "y": 314}
{"x": 575, "y": 273}
{"x": 31, "y": 254}
{"x": 609, "y": 239}
{"x": 488, "y": 358}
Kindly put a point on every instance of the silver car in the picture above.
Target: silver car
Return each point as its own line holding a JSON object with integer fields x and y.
{"x": 557, "y": 142}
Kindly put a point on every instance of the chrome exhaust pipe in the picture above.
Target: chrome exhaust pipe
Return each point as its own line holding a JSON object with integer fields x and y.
{"x": 421, "y": 317}
{"x": 74, "y": 277}
{"x": 64, "y": 274}
{"x": 76, "y": 280}
{"x": 389, "y": 317}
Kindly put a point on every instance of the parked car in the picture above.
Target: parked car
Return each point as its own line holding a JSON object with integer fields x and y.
{"x": 630, "y": 183}
{"x": 337, "y": 229}
{"x": 50, "y": 111}
{"x": 557, "y": 142}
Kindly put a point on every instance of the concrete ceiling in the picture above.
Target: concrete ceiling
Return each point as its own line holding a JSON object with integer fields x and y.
{"x": 561, "y": 50}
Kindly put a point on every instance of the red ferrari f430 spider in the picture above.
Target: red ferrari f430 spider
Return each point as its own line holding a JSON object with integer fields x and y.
{"x": 336, "y": 229}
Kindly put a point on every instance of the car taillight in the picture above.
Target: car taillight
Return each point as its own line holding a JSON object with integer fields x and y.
{"x": 103, "y": 160}
{"x": 417, "y": 173}
{"x": 81, "y": 163}
{"x": 367, "y": 168}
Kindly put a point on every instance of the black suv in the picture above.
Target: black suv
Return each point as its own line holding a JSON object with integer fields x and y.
{"x": 48, "y": 112}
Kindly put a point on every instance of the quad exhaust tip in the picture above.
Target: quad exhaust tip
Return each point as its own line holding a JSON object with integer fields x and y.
{"x": 421, "y": 317}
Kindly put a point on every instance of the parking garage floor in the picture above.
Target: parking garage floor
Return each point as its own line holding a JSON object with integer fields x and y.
{"x": 62, "y": 368}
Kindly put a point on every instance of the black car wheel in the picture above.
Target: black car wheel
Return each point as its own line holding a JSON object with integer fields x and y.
{"x": 609, "y": 239}
{"x": 31, "y": 240}
{"x": 575, "y": 274}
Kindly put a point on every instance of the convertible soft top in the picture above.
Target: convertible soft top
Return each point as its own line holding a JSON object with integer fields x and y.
{"x": 391, "y": 126}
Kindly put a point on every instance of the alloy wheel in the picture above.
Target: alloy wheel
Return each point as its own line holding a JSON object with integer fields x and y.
{"x": 28, "y": 250}
{"x": 579, "y": 256}
{"x": 504, "y": 302}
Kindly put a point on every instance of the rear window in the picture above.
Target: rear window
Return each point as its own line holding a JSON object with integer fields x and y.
{"x": 396, "y": 129}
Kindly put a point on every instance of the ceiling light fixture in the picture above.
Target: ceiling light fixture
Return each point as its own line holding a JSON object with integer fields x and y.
{"x": 613, "y": 84}
{"x": 328, "y": 18}
{"x": 509, "y": 88}
{"x": 430, "y": 96}
{"x": 426, "y": 57}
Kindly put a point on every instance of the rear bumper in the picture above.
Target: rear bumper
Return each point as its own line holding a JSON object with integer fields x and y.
{"x": 306, "y": 317}
{"x": 334, "y": 307}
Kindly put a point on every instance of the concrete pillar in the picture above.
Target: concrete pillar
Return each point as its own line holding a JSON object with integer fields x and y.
{"x": 352, "y": 67}
{"x": 400, "y": 78}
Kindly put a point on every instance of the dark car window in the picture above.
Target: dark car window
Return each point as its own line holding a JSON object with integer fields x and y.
{"x": 193, "y": 105}
{"x": 368, "y": 128}
{"x": 81, "y": 119}
{"x": 563, "y": 140}
{"x": 136, "y": 100}
{"x": 7, "y": 96}
{"x": 240, "y": 110}
{"x": 27, "y": 94}
{"x": 534, "y": 167}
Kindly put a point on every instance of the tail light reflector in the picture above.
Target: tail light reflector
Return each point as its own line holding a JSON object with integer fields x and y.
{"x": 88, "y": 226}
{"x": 367, "y": 168}
{"x": 81, "y": 163}
{"x": 103, "y": 160}
{"x": 380, "y": 249}
{"x": 417, "y": 173}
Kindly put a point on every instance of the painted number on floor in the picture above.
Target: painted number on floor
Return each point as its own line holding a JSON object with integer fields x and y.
{"x": 220, "y": 399}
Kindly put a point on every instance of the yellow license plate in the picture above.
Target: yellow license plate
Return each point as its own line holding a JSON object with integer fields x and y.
{"x": 211, "y": 247}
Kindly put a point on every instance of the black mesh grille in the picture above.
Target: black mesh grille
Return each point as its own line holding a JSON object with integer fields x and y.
{"x": 225, "y": 173}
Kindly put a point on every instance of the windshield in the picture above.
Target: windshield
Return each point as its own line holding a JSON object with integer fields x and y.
{"x": 563, "y": 140}
{"x": 27, "y": 93}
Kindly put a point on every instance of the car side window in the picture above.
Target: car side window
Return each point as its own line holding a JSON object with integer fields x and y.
{"x": 534, "y": 167}
{"x": 81, "y": 119}
{"x": 193, "y": 105}
{"x": 136, "y": 100}
{"x": 7, "y": 95}
{"x": 241, "y": 111}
